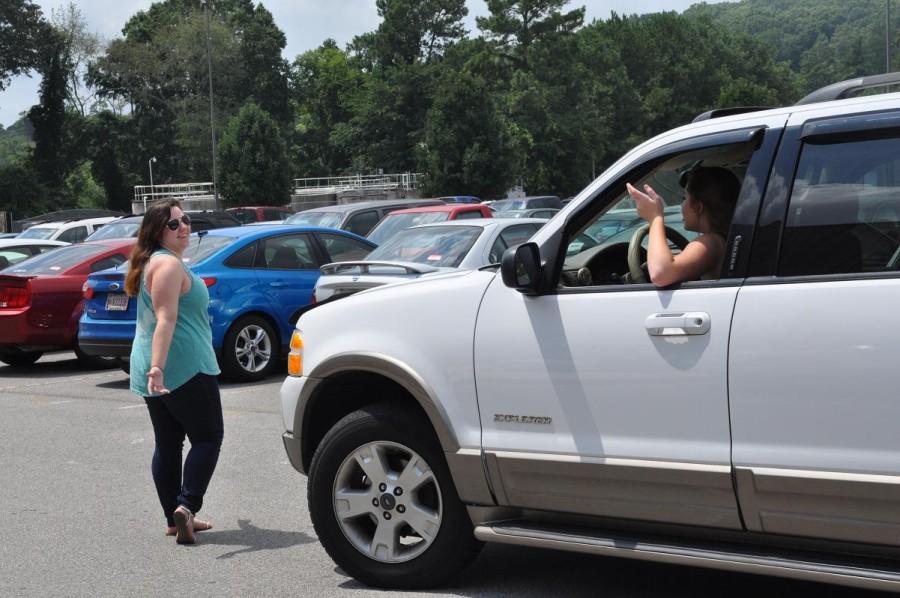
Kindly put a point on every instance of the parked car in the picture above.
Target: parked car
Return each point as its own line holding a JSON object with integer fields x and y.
{"x": 251, "y": 214}
{"x": 70, "y": 231}
{"x": 426, "y": 249}
{"x": 460, "y": 199}
{"x": 258, "y": 278}
{"x": 745, "y": 422}
{"x": 200, "y": 220}
{"x": 41, "y": 300}
{"x": 526, "y": 203}
{"x": 400, "y": 219}
{"x": 13, "y": 250}
{"x": 544, "y": 213}
{"x": 359, "y": 217}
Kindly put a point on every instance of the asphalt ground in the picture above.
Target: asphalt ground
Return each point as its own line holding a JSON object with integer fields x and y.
{"x": 79, "y": 515}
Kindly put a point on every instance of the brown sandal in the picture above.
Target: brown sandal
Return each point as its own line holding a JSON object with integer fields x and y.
{"x": 184, "y": 526}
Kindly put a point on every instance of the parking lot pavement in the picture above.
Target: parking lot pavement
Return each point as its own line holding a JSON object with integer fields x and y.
{"x": 79, "y": 516}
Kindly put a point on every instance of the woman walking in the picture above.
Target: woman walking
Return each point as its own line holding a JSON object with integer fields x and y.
{"x": 173, "y": 366}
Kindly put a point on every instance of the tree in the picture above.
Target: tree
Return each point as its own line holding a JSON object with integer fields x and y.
{"x": 82, "y": 47}
{"x": 516, "y": 25}
{"x": 253, "y": 160}
{"x": 468, "y": 146}
{"x": 413, "y": 30}
{"x": 22, "y": 30}
{"x": 49, "y": 116}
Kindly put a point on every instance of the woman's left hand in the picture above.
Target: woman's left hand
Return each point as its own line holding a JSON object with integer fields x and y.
{"x": 649, "y": 203}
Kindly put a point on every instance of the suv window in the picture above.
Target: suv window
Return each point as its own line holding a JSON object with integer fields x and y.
{"x": 342, "y": 249}
{"x": 469, "y": 214}
{"x": 362, "y": 223}
{"x": 844, "y": 209}
{"x": 73, "y": 235}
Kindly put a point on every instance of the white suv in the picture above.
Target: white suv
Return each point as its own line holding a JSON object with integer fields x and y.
{"x": 748, "y": 423}
{"x": 70, "y": 231}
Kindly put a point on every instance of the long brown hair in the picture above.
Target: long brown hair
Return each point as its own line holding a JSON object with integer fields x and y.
{"x": 151, "y": 230}
{"x": 717, "y": 189}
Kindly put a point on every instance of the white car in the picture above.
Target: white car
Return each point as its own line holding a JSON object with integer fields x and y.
{"x": 426, "y": 249}
{"x": 746, "y": 422}
{"x": 70, "y": 231}
{"x": 15, "y": 250}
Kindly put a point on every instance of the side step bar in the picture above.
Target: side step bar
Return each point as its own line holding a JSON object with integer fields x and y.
{"x": 731, "y": 557}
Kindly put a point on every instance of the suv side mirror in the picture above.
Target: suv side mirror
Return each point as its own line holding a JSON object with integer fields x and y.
{"x": 521, "y": 268}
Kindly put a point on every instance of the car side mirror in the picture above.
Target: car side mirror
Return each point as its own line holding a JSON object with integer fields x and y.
{"x": 521, "y": 268}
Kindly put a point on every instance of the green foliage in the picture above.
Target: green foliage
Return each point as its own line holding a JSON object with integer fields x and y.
{"x": 15, "y": 142}
{"x": 254, "y": 168}
{"x": 469, "y": 147}
{"x": 22, "y": 30}
{"x": 83, "y": 189}
{"x": 21, "y": 191}
{"x": 823, "y": 40}
{"x": 516, "y": 25}
{"x": 48, "y": 117}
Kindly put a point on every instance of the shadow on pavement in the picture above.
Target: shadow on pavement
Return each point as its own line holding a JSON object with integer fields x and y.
{"x": 56, "y": 368}
{"x": 250, "y": 538}
{"x": 124, "y": 383}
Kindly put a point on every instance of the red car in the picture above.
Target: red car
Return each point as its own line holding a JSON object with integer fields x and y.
{"x": 248, "y": 214}
{"x": 399, "y": 220}
{"x": 41, "y": 300}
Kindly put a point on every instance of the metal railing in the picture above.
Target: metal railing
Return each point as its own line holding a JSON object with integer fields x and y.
{"x": 322, "y": 185}
{"x": 148, "y": 193}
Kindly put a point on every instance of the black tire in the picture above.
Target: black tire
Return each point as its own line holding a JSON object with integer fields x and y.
{"x": 94, "y": 362}
{"x": 452, "y": 547}
{"x": 19, "y": 359}
{"x": 242, "y": 364}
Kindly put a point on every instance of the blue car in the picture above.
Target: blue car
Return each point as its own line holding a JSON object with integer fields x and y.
{"x": 259, "y": 277}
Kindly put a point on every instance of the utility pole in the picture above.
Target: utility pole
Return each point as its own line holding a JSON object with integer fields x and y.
{"x": 212, "y": 123}
{"x": 887, "y": 36}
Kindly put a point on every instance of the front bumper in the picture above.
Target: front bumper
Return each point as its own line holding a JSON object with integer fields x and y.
{"x": 291, "y": 391}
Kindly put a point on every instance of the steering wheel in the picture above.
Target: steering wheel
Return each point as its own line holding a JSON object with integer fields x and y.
{"x": 635, "y": 267}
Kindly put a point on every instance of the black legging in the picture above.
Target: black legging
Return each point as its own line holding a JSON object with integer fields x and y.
{"x": 193, "y": 409}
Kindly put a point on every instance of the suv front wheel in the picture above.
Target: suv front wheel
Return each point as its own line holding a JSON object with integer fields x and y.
{"x": 383, "y": 503}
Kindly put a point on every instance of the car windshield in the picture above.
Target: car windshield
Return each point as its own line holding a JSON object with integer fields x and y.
{"x": 507, "y": 205}
{"x": 58, "y": 260}
{"x": 394, "y": 223}
{"x": 116, "y": 230}
{"x": 325, "y": 219}
{"x": 38, "y": 232}
{"x": 441, "y": 246}
{"x": 201, "y": 247}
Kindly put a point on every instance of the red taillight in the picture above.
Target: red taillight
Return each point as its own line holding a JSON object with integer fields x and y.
{"x": 209, "y": 280}
{"x": 15, "y": 296}
{"x": 87, "y": 291}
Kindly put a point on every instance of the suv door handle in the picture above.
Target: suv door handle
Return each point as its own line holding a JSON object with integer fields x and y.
{"x": 278, "y": 284}
{"x": 690, "y": 323}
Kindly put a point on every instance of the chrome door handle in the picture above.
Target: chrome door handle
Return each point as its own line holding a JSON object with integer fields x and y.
{"x": 690, "y": 323}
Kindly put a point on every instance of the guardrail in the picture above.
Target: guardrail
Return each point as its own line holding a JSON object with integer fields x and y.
{"x": 148, "y": 193}
{"x": 323, "y": 185}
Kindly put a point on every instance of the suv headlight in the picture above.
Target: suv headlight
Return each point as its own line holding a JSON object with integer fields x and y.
{"x": 295, "y": 356}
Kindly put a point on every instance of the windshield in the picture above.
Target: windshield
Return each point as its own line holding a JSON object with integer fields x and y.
{"x": 38, "y": 232}
{"x": 201, "y": 247}
{"x": 326, "y": 219}
{"x": 58, "y": 260}
{"x": 507, "y": 205}
{"x": 116, "y": 230}
{"x": 394, "y": 223}
{"x": 440, "y": 246}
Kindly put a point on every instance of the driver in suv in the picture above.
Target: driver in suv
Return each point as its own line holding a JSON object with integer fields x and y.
{"x": 710, "y": 194}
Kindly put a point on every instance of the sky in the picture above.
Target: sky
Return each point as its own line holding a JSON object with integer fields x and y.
{"x": 306, "y": 24}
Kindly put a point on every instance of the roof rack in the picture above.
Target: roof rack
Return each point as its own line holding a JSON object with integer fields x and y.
{"x": 845, "y": 89}
{"x": 719, "y": 112}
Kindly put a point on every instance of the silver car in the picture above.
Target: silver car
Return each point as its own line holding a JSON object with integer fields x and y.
{"x": 426, "y": 249}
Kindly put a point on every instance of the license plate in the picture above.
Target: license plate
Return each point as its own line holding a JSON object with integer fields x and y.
{"x": 116, "y": 302}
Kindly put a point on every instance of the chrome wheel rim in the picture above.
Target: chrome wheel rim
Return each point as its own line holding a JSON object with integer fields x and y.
{"x": 253, "y": 348}
{"x": 387, "y": 502}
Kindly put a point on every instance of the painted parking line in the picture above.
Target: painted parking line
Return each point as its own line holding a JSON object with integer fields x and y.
{"x": 132, "y": 406}
{"x": 60, "y": 402}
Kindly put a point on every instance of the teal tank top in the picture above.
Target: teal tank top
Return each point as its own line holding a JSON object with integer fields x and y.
{"x": 191, "y": 351}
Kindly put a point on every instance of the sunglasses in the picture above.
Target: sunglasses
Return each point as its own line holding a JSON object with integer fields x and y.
{"x": 174, "y": 222}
